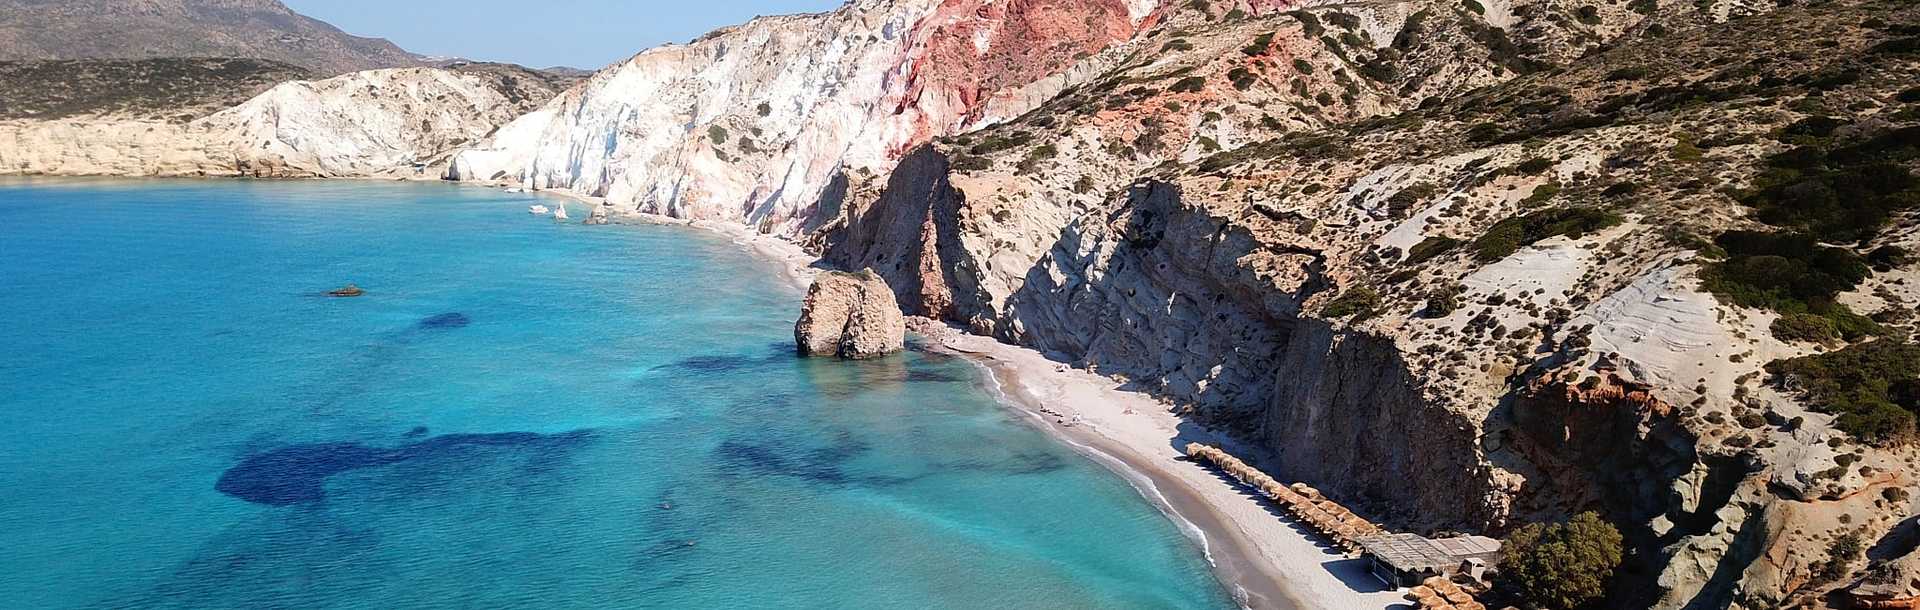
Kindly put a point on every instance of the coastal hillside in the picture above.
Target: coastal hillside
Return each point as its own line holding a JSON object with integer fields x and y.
{"x": 1473, "y": 266}
{"x": 153, "y": 29}
{"x": 767, "y": 123}
{"x": 376, "y": 123}
{"x": 1465, "y": 266}
{"x": 164, "y": 89}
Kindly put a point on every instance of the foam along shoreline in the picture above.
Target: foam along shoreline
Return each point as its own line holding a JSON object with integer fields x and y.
{"x": 1263, "y": 558}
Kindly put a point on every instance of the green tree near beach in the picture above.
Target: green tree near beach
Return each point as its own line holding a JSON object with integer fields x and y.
{"x": 1561, "y": 566}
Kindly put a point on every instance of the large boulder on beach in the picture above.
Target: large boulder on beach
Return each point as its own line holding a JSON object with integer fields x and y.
{"x": 850, "y": 315}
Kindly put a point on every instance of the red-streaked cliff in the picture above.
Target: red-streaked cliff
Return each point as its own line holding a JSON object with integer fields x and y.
{"x": 756, "y": 123}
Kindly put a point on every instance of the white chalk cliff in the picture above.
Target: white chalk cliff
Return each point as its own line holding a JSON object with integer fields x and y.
{"x": 757, "y": 123}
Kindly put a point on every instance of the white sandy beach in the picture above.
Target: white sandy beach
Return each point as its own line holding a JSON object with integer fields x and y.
{"x": 1266, "y": 559}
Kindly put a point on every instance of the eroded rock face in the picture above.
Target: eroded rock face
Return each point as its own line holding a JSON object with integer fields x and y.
{"x": 850, "y": 315}
{"x": 1188, "y": 221}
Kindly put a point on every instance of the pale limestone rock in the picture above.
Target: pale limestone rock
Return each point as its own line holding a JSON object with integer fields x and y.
{"x": 850, "y": 315}
{"x": 390, "y": 123}
{"x": 762, "y": 123}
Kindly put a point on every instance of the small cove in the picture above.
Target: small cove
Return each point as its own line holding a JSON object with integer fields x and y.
{"x": 517, "y": 414}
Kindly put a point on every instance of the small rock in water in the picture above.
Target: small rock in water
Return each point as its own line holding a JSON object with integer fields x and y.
{"x": 446, "y": 320}
{"x": 850, "y": 315}
{"x": 347, "y": 292}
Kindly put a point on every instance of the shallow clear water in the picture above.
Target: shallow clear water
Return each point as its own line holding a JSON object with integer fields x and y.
{"x": 518, "y": 414}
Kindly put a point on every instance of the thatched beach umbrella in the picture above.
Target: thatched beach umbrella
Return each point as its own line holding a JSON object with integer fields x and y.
{"x": 1418, "y": 592}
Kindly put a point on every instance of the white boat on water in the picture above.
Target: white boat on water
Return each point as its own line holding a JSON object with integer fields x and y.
{"x": 560, "y": 212}
{"x": 538, "y": 209}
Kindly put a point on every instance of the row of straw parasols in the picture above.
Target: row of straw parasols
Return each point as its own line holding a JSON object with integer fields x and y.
{"x": 1325, "y": 516}
{"x": 1438, "y": 593}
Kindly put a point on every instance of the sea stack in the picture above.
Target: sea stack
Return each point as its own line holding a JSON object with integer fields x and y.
{"x": 850, "y": 315}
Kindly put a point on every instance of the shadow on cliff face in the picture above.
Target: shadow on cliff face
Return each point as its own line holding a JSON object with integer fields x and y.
{"x": 1587, "y": 440}
{"x": 298, "y": 474}
{"x": 1206, "y": 309}
{"x": 910, "y": 235}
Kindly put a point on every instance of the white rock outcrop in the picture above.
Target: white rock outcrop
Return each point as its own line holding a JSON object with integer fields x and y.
{"x": 759, "y": 123}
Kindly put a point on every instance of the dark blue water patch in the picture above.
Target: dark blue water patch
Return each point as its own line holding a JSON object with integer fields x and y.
{"x": 922, "y": 376}
{"x": 711, "y": 364}
{"x": 416, "y": 432}
{"x": 445, "y": 321}
{"x": 288, "y": 561}
{"x": 817, "y": 464}
{"x": 725, "y": 363}
{"x": 298, "y": 474}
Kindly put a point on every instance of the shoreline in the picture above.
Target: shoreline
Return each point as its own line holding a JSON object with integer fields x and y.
{"x": 1262, "y": 559}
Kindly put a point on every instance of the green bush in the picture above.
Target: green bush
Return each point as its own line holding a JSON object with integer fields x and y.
{"x": 1404, "y": 201}
{"x": 1034, "y": 157}
{"x": 1842, "y": 552}
{"x": 1533, "y": 166}
{"x": 999, "y": 142}
{"x": 1541, "y": 195}
{"x": 1442, "y": 302}
{"x": 1189, "y": 84}
{"x": 1302, "y": 66}
{"x": 1804, "y": 327}
{"x": 969, "y": 163}
{"x": 718, "y": 134}
{"x": 1429, "y": 248}
{"x": 1360, "y": 303}
{"x": 1837, "y": 191}
{"x": 1873, "y": 387}
{"x": 1888, "y": 258}
{"x": 1510, "y": 235}
{"x": 1587, "y": 15}
{"x": 1784, "y": 272}
{"x": 1260, "y": 44}
{"x": 1561, "y": 566}
{"x": 1684, "y": 150}
{"x": 1309, "y": 24}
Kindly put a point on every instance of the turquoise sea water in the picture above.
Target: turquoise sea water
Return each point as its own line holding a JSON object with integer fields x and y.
{"x": 519, "y": 414}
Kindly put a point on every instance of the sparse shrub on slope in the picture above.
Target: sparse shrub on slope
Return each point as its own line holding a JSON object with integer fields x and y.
{"x": 1359, "y": 303}
{"x": 1838, "y": 191}
{"x": 1873, "y": 387}
{"x": 1792, "y": 274}
{"x": 1510, "y": 235}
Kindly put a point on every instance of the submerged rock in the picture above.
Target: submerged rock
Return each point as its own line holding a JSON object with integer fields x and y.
{"x": 446, "y": 320}
{"x": 850, "y": 315}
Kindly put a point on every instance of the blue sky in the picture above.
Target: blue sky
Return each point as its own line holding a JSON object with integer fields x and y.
{"x": 542, "y": 33}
